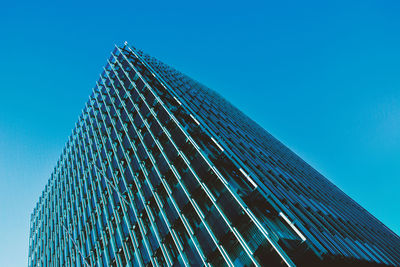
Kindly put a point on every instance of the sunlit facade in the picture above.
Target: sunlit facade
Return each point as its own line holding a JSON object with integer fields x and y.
{"x": 162, "y": 171}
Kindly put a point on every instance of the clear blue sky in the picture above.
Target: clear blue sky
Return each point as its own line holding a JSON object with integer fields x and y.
{"x": 321, "y": 77}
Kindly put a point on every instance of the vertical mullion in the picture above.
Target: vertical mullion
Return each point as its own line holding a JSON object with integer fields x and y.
{"x": 166, "y": 256}
{"x": 95, "y": 155}
{"x": 223, "y": 252}
{"x": 104, "y": 146}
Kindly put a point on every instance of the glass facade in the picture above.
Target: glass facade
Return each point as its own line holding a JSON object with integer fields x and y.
{"x": 161, "y": 170}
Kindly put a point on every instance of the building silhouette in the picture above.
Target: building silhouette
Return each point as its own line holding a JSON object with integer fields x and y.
{"x": 161, "y": 170}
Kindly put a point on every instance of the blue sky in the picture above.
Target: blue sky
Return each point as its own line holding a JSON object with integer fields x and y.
{"x": 321, "y": 77}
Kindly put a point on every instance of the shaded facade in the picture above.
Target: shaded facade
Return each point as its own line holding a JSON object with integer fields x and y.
{"x": 161, "y": 170}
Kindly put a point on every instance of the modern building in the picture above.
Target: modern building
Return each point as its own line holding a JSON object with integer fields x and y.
{"x": 162, "y": 171}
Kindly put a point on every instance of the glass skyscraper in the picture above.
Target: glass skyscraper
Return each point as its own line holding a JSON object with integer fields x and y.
{"x": 162, "y": 171}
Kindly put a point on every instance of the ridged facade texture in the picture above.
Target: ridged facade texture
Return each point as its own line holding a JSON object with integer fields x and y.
{"x": 161, "y": 170}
